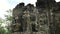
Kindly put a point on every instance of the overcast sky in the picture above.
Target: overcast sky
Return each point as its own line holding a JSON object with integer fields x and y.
{"x": 10, "y": 4}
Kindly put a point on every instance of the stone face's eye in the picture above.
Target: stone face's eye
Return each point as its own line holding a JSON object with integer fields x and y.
{"x": 32, "y": 18}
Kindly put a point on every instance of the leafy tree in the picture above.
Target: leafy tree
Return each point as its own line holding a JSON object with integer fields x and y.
{"x": 2, "y": 29}
{"x": 7, "y": 22}
{"x": 9, "y": 18}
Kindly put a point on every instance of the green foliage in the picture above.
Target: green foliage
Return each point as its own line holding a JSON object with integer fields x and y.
{"x": 1, "y": 20}
{"x": 9, "y": 15}
{"x": 7, "y": 21}
{"x": 2, "y": 30}
{"x": 8, "y": 18}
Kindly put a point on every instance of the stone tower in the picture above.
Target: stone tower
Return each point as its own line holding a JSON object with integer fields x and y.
{"x": 42, "y": 19}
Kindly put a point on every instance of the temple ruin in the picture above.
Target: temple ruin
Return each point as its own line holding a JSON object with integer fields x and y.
{"x": 44, "y": 18}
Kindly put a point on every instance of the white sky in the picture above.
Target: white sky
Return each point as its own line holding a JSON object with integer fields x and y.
{"x": 10, "y": 4}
